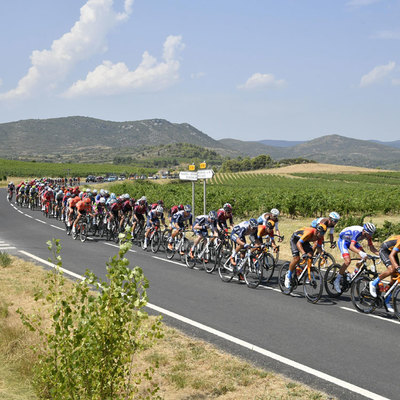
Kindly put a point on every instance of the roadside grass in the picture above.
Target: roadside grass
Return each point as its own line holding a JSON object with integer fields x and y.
{"x": 185, "y": 368}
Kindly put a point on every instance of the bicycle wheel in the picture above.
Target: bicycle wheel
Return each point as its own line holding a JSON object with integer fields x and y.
{"x": 169, "y": 253}
{"x": 184, "y": 248}
{"x": 396, "y": 302}
{"x": 155, "y": 242}
{"x": 253, "y": 274}
{"x": 281, "y": 278}
{"x": 326, "y": 260}
{"x": 75, "y": 233}
{"x": 83, "y": 232}
{"x": 226, "y": 270}
{"x": 268, "y": 266}
{"x": 329, "y": 278}
{"x": 361, "y": 297}
{"x": 209, "y": 266}
{"x": 313, "y": 284}
{"x": 190, "y": 261}
{"x": 164, "y": 238}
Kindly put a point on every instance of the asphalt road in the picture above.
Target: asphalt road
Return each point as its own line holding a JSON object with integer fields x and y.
{"x": 326, "y": 345}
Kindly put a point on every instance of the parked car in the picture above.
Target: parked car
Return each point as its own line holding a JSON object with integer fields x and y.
{"x": 91, "y": 178}
{"x": 112, "y": 178}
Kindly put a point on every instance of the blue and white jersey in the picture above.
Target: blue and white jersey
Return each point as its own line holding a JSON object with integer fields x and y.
{"x": 153, "y": 217}
{"x": 351, "y": 234}
{"x": 179, "y": 218}
{"x": 241, "y": 229}
{"x": 204, "y": 222}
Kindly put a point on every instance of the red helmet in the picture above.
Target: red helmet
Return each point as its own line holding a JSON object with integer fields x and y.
{"x": 180, "y": 207}
{"x": 87, "y": 200}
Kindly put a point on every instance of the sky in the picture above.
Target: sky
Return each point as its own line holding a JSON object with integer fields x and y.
{"x": 248, "y": 70}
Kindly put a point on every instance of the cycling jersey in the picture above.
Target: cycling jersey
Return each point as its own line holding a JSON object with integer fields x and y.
{"x": 222, "y": 218}
{"x": 239, "y": 231}
{"x": 264, "y": 218}
{"x": 179, "y": 218}
{"x": 304, "y": 236}
{"x": 83, "y": 207}
{"x": 205, "y": 224}
{"x": 264, "y": 231}
{"x": 126, "y": 206}
{"x": 351, "y": 234}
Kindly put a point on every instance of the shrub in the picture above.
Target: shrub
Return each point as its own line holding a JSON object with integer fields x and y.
{"x": 5, "y": 259}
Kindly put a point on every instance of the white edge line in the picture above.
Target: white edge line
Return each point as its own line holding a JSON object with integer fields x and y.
{"x": 39, "y": 220}
{"x": 247, "y": 345}
{"x": 27, "y": 215}
{"x": 372, "y": 316}
{"x": 170, "y": 261}
{"x": 114, "y": 245}
{"x": 277, "y": 357}
{"x": 57, "y": 227}
{"x": 7, "y": 248}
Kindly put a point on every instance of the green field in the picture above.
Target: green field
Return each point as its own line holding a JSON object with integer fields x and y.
{"x": 10, "y": 168}
{"x": 308, "y": 196}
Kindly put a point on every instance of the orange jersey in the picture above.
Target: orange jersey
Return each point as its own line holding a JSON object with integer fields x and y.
{"x": 81, "y": 206}
{"x": 308, "y": 234}
{"x": 264, "y": 231}
{"x": 74, "y": 201}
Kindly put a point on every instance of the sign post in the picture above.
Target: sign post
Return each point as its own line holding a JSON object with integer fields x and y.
{"x": 190, "y": 176}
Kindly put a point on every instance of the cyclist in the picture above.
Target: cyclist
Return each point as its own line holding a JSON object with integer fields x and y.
{"x": 174, "y": 210}
{"x": 11, "y": 189}
{"x": 389, "y": 255}
{"x": 224, "y": 214}
{"x": 349, "y": 239}
{"x": 330, "y": 223}
{"x": 238, "y": 236}
{"x": 266, "y": 230}
{"x": 178, "y": 222}
{"x": 139, "y": 211}
{"x": 200, "y": 227}
{"x": 300, "y": 243}
{"x": 153, "y": 220}
{"x": 83, "y": 207}
{"x": 270, "y": 216}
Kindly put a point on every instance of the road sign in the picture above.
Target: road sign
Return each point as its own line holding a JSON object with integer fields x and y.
{"x": 192, "y": 167}
{"x": 188, "y": 176}
{"x": 205, "y": 174}
{"x": 203, "y": 165}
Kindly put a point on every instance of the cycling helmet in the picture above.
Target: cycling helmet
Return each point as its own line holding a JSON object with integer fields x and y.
{"x": 227, "y": 207}
{"x": 102, "y": 200}
{"x": 180, "y": 207}
{"x": 212, "y": 215}
{"x": 144, "y": 198}
{"x": 321, "y": 228}
{"x": 270, "y": 224}
{"x": 160, "y": 202}
{"x": 159, "y": 209}
{"x": 187, "y": 208}
{"x": 81, "y": 194}
{"x": 253, "y": 223}
{"x": 369, "y": 228}
{"x": 275, "y": 212}
{"x": 334, "y": 215}
{"x": 101, "y": 192}
{"x": 68, "y": 194}
{"x": 94, "y": 191}
{"x": 11, "y": 183}
{"x": 126, "y": 196}
{"x": 113, "y": 196}
{"x": 106, "y": 192}
{"x": 141, "y": 202}
{"x": 87, "y": 190}
{"x": 87, "y": 200}
{"x": 59, "y": 192}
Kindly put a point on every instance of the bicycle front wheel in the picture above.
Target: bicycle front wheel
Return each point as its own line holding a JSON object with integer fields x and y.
{"x": 396, "y": 302}
{"x": 283, "y": 270}
{"x": 253, "y": 274}
{"x": 83, "y": 232}
{"x": 361, "y": 297}
{"x": 313, "y": 284}
{"x": 156, "y": 242}
{"x": 226, "y": 271}
{"x": 329, "y": 278}
{"x": 268, "y": 266}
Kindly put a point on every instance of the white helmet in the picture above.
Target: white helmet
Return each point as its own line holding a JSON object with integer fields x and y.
{"x": 102, "y": 200}
{"x": 369, "y": 228}
{"x": 94, "y": 191}
{"x": 101, "y": 192}
{"x": 334, "y": 215}
{"x": 275, "y": 212}
{"x": 159, "y": 209}
{"x": 87, "y": 190}
{"x": 144, "y": 198}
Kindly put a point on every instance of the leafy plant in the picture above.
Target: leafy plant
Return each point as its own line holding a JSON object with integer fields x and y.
{"x": 88, "y": 350}
{"x": 5, "y": 259}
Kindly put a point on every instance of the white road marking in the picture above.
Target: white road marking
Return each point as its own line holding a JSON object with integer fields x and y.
{"x": 57, "y": 227}
{"x": 7, "y": 248}
{"x": 39, "y": 220}
{"x": 170, "y": 261}
{"x": 242, "y": 343}
{"x": 26, "y": 215}
{"x": 394, "y": 321}
{"x": 115, "y": 245}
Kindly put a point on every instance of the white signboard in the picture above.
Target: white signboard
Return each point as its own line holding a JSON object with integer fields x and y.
{"x": 188, "y": 176}
{"x": 205, "y": 174}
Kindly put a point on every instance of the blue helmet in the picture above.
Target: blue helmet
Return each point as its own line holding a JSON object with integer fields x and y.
{"x": 369, "y": 228}
{"x": 253, "y": 223}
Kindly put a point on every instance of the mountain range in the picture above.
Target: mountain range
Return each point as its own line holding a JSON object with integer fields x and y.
{"x": 94, "y": 140}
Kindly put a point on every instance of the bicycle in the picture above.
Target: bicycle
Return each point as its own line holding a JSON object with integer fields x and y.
{"x": 306, "y": 273}
{"x": 154, "y": 239}
{"x": 223, "y": 249}
{"x": 10, "y": 195}
{"x": 362, "y": 268}
{"x": 204, "y": 253}
{"x": 275, "y": 254}
{"x": 179, "y": 245}
{"x": 365, "y": 303}
{"x": 249, "y": 266}
{"x": 82, "y": 229}
{"x": 138, "y": 233}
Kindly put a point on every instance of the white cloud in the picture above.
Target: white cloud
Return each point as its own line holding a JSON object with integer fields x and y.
{"x": 260, "y": 81}
{"x": 377, "y": 74}
{"x": 86, "y": 38}
{"x": 197, "y": 75}
{"x": 361, "y": 3}
{"x": 396, "y": 82}
{"x": 109, "y": 78}
{"x": 387, "y": 35}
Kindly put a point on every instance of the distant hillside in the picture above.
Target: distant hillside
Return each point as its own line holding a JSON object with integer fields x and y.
{"x": 252, "y": 149}
{"x": 281, "y": 143}
{"x": 394, "y": 143}
{"x": 75, "y": 135}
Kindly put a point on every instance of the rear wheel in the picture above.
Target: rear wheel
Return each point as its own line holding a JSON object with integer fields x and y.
{"x": 329, "y": 278}
{"x": 268, "y": 265}
{"x": 83, "y": 232}
{"x": 281, "y": 278}
{"x": 226, "y": 270}
{"x": 313, "y": 284}
{"x": 156, "y": 242}
{"x": 253, "y": 274}
{"x": 361, "y": 297}
{"x": 396, "y": 302}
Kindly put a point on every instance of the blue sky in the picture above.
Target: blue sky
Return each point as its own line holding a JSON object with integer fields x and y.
{"x": 250, "y": 70}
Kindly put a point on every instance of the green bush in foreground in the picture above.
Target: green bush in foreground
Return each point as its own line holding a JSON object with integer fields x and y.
{"x": 88, "y": 350}
{"x": 5, "y": 259}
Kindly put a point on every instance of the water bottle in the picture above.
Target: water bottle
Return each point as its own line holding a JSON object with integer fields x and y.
{"x": 354, "y": 272}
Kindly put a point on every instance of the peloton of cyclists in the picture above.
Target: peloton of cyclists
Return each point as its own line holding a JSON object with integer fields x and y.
{"x": 201, "y": 225}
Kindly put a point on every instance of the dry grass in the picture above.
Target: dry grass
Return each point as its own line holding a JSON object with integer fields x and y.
{"x": 187, "y": 368}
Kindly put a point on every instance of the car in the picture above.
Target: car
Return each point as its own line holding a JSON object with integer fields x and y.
{"x": 91, "y": 178}
{"x": 112, "y": 178}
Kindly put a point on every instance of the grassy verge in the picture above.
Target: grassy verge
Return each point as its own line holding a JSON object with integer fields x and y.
{"x": 187, "y": 368}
